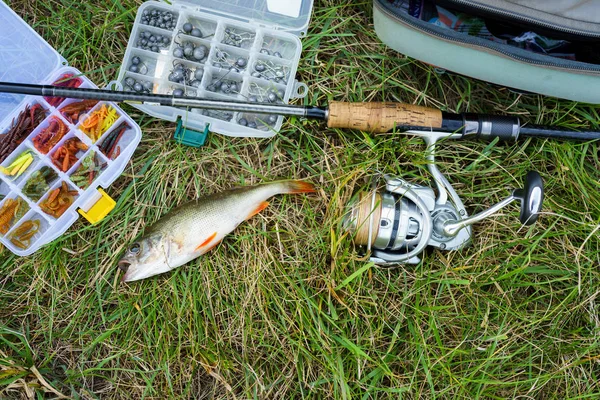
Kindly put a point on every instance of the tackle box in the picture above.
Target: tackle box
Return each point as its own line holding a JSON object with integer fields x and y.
{"x": 250, "y": 47}
{"x": 27, "y": 58}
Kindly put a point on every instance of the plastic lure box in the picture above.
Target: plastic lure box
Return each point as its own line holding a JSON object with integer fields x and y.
{"x": 26, "y": 57}
{"x": 244, "y": 50}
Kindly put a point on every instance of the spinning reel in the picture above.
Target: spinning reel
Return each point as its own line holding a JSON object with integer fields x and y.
{"x": 397, "y": 224}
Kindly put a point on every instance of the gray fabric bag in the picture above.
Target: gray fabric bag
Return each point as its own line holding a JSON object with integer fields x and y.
{"x": 546, "y": 47}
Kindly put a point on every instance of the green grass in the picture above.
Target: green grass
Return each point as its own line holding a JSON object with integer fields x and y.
{"x": 286, "y": 307}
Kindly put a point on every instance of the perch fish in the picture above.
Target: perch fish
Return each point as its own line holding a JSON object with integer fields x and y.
{"x": 193, "y": 229}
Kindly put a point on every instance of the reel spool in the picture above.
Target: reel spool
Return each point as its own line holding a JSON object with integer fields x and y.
{"x": 398, "y": 223}
{"x": 394, "y": 224}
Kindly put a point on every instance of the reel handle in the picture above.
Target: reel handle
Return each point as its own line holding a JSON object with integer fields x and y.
{"x": 531, "y": 197}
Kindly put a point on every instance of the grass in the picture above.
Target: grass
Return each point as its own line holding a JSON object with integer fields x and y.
{"x": 286, "y": 307}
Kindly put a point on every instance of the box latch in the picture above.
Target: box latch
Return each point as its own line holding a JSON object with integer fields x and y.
{"x": 190, "y": 137}
{"x": 102, "y": 204}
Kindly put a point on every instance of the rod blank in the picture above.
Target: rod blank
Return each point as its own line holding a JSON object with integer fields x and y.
{"x": 163, "y": 100}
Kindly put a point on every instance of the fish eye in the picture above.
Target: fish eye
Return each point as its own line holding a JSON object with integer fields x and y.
{"x": 135, "y": 248}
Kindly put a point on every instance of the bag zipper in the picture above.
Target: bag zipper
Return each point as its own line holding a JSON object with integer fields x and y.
{"x": 470, "y": 42}
{"x": 525, "y": 18}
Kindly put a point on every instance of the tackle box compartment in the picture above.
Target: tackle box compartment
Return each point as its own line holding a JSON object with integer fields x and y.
{"x": 247, "y": 50}
{"x": 28, "y": 58}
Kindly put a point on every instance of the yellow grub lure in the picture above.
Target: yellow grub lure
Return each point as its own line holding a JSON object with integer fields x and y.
{"x": 21, "y": 237}
{"x": 12, "y": 210}
{"x": 19, "y": 166}
{"x": 99, "y": 121}
{"x": 111, "y": 118}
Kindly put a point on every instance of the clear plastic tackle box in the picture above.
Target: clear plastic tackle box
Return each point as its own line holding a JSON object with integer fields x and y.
{"x": 42, "y": 197}
{"x": 237, "y": 50}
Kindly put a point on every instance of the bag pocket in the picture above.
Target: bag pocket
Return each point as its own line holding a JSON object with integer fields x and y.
{"x": 524, "y": 37}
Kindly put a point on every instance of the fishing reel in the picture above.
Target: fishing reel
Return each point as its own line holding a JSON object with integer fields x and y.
{"x": 398, "y": 223}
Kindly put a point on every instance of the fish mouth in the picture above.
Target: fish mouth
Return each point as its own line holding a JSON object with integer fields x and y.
{"x": 124, "y": 265}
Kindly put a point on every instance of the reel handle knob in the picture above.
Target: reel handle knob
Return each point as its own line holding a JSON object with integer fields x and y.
{"x": 531, "y": 197}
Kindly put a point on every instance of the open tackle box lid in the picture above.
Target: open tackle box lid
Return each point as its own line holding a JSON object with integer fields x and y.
{"x": 289, "y": 15}
{"x": 273, "y": 25}
{"x": 27, "y": 58}
{"x": 24, "y": 57}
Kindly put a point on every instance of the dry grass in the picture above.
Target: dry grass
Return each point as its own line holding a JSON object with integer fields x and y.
{"x": 284, "y": 307}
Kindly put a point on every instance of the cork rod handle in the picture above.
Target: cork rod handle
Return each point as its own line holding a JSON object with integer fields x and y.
{"x": 381, "y": 117}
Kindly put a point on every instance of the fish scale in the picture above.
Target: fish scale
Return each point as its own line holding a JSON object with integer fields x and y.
{"x": 193, "y": 229}
{"x": 202, "y": 215}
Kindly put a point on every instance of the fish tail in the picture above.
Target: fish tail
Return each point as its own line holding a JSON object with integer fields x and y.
{"x": 298, "y": 187}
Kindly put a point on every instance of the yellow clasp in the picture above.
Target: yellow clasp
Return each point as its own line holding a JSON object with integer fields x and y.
{"x": 100, "y": 209}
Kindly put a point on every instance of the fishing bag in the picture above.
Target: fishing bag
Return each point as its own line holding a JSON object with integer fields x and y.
{"x": 540, "y": 46}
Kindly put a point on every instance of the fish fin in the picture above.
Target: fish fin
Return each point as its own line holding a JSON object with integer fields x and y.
{"x": 213, "y": 246}
{"x": 299, "y": 187}
{"x": 258, "y": 209}
{"x": 207, "y": 241}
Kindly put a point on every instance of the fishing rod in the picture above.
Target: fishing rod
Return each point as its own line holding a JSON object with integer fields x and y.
{"x": 376, "y": 117}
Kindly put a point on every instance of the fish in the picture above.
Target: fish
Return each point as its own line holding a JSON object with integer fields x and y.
{"x": 195, "y": 228}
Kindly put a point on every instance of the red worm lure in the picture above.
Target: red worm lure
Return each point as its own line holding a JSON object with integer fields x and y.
{"x": 66, "y": 80}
